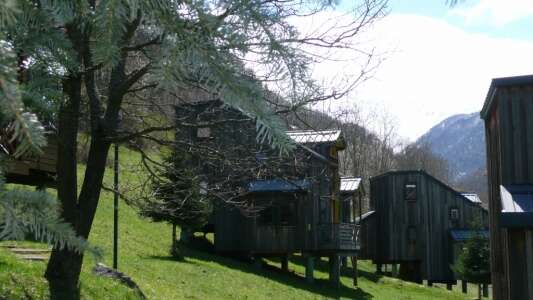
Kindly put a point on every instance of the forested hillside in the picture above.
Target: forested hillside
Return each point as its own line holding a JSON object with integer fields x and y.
{"x": 460, "y": 141}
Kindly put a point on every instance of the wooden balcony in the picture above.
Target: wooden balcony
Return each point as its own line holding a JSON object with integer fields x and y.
{"x": 335, "y": 237}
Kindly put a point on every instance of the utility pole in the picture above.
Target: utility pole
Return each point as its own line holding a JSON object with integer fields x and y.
{"x": 115, "y": 211}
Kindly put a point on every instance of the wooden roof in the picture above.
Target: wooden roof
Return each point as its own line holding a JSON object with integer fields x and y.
{"x": 437, "y": 181}
{"x": 502, "y": 82}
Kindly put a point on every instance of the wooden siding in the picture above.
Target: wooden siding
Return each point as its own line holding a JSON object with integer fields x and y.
{"x": 417, "y": 231}
{"x": 509, "y": 140}
{"x": 316, "y": 209}
{"x": 34, "y": 170}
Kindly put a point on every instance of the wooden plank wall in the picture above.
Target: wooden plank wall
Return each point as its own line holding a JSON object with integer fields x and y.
{"x": 509, "y": 132}
{"x": 427, "y": 218}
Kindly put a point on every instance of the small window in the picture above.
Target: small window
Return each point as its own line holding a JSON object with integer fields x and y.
{"x": 454, "y": 214}
{"x": 203, "y": 132}
{"x": 410, "y": 192}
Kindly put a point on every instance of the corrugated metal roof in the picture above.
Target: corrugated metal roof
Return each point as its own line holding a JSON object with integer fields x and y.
{"x": 461, "y": 235}
{"x": 472, "y": 197}
{"x": 364, "y": 216}
{"x": 517, "y": 198}
{"x": 311, "y": 136}
{"x": 350, "y": 184}
{"x": 278, "y": 185}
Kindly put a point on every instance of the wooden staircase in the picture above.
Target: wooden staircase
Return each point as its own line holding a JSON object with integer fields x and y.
{"x": 28, "y": 253}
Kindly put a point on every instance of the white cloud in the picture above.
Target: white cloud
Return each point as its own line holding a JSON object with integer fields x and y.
{"x": 434, "y": 70}
{"x": 497, "y": 12}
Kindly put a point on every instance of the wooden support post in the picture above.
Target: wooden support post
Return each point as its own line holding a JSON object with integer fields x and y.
{"x": 258, "y": 262}
{"x": 464, "y": 286}
{"x": 394, "y": 270}
{"x": 309, "y": 269}
{"x": 344, "y": 262}
{"x": 285, "y": 263}
{"x": 378, "y": 268}
{"x": 185, "y": 235}
{"x": 334, "y": 270}
{"x": 449, "y": 286}
{"x": 354, "y": 266}
{"x": 485, "y": 290}
{"x": 430, "y": 283}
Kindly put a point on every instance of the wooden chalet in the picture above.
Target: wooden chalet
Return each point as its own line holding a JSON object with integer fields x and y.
{"x": 417, "y": 222}
{"x": 299, "y": 210}
{"x": 36, "y": 170}
{"x": 508, "y": 116}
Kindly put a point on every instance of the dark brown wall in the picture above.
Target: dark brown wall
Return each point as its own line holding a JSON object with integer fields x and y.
{"x": 509, "y": 136}
{"x": 418, "y": 230}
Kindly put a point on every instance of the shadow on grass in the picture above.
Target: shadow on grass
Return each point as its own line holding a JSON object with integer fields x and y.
{"x": 202, "y": 249}
{"x": 323, "y": 266}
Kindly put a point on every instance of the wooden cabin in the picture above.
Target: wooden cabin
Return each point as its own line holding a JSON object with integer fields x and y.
{"x": 415, "y": 220}
{"x": 508, "y": 116}
{"x": 33, "y": 170}
{"x": 298, "y": 208}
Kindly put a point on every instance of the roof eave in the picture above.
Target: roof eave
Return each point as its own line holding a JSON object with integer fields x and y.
{"x": 501, "y": 82}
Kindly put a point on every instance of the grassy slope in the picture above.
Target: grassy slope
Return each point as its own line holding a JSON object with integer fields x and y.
{"x": 143, "y": 254}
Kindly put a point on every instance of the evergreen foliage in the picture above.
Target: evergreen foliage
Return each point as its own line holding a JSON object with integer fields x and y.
{"x": 177, "y": 196}
{"x": 473, "y": 264}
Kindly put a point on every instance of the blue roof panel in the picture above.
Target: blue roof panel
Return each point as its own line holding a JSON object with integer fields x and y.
{"x": 461, "y": 235}
{"x": 278, "y": 185}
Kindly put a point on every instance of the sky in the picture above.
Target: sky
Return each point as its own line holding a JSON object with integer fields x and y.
{"x": 438, "y": 61}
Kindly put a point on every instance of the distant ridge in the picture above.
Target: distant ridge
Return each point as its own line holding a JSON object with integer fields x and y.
{"x": 460, "y": 140}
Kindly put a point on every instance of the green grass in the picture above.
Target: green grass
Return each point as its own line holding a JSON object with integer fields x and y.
{"x": 143, "y": 255}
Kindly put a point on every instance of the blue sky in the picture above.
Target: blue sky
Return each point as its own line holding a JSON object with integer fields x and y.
{"x": 513, "y": 24}
{"x": 438, "y": 61}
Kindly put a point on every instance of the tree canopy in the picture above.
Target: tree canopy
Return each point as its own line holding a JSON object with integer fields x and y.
{"x": 88, "y": 64}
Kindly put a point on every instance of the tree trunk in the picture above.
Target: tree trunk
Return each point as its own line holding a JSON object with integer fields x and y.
{"x": 479, "y": 291}
{"x": 64, "y": 267}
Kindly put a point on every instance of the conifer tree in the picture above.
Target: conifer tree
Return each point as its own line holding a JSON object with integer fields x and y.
{"x": 92, "y": 59}
{"x": 178, "y": 198}
{"x": 473, "y": 264}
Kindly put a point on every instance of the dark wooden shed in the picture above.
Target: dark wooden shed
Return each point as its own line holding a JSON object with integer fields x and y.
{"x": 36, "y": 170}
{"x": 508, "y": 116}
{"x": 299, "y": 209}
{"x": 415, "y": 216}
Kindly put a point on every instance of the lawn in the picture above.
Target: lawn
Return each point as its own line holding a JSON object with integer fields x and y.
{"x": 143, "y": 255}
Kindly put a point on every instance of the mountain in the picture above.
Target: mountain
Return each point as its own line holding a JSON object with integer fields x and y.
{"x": 460, "y": 140}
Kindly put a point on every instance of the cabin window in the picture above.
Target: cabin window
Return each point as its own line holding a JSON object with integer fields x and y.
{"x": 410, "y": 192}
{"x": 454, "y": 214}
{"x": 278, "y": 214}
{"x": 203, "y": 132}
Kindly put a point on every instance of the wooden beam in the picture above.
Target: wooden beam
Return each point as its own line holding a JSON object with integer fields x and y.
{"x": 464, "y": 286}
{"x": 309, "y": 268}
{"x": 285, "y": 263}
{"x": 334, "y": 270}
{"x": 354, "y": 265}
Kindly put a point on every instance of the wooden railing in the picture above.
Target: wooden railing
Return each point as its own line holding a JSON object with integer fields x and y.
{"x": 342, "y": 236}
